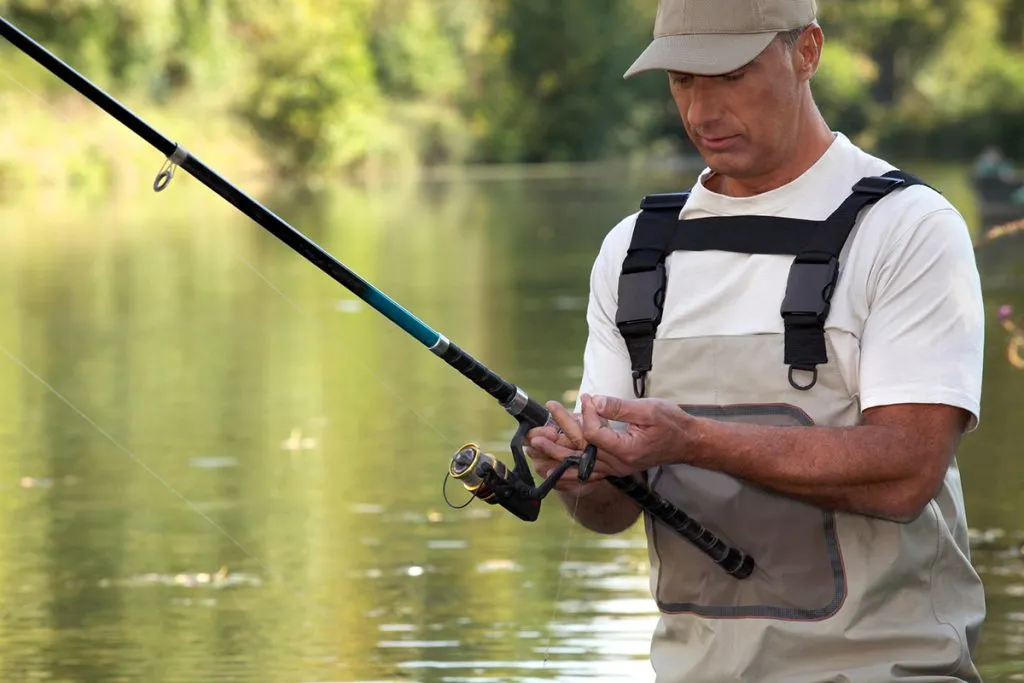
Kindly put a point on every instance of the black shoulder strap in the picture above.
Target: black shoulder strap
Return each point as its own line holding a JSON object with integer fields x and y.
{"x": 642, "y": 282}
{"x": 815, "y": 271}
{"x": 744, "y": 234}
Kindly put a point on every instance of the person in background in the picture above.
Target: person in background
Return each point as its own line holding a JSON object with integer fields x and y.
{"x": 992, "y": 164}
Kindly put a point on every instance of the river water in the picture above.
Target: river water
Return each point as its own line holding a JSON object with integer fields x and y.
{"x": 218, "y": 465}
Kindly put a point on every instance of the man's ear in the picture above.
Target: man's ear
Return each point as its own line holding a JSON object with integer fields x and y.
{"x": 807, "y": 52}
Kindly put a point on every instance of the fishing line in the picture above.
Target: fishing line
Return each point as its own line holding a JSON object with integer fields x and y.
{"x": 95, "y": 425}
{"x": 135, "y": 458}
{"x": 561, "y": 574}
{"x": 124, "y": 449}
{"x": 166, "y": 174}
{"x": 514, "y": 488}
{"x": 491, "y": 480}
{"x": 36, "y": 96}
{"x": 156, "y": 475}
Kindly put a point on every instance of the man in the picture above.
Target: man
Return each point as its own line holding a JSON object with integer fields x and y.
{"x": 836, "y": 473}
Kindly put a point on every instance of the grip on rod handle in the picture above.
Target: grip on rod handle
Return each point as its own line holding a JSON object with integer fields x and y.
{"x": 479, "y": 373}
{"x": 733, "y": 561}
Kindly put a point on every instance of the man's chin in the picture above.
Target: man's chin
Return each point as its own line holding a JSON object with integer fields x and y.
{"x": 726, "y": 164}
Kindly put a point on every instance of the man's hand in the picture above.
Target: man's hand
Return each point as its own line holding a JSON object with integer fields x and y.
{"x": 656, "y": 430}
{"x": 595, "y": 504}
{"x": 548, "y": 446}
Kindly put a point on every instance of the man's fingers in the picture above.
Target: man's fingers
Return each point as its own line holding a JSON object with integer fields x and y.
{"x": 568, "y": 423}
{"x": 548, "y": 455}
{"x": 617, "y": 410}
{"x": 595, "y": 431}
{"x": 549, "y": 432}
{"x": 549, "y": 448}
{"x": 569, "y": 481}
{"x": 608, "y": 465}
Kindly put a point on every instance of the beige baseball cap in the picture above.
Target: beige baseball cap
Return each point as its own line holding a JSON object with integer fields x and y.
{"x": 712, "y": 37}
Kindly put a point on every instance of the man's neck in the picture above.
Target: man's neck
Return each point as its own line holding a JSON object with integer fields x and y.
{"x": 810, "y": 147}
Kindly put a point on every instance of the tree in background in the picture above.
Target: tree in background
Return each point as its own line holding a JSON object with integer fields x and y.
{"x": 343, "y": 85}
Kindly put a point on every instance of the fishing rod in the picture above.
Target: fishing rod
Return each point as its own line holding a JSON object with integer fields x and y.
{"x": 482, "y": 474}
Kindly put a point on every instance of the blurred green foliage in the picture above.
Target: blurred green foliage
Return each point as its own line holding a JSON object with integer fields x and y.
{"x": 356, "y": 84}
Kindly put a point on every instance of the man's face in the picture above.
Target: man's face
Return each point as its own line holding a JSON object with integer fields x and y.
{"x": 743, "y": 123}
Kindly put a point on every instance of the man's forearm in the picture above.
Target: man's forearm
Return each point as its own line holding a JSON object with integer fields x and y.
{"x": 605, "y": 509}
{"x": 878, "y": 470}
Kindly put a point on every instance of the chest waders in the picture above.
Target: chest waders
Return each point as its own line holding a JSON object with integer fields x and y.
{"x": 834, "y": 596}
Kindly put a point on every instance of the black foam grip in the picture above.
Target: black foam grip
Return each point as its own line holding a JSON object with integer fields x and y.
{"x": 480, "y": 374}
{"x": 535, "y": 414}
{"x": 734, "y": 561}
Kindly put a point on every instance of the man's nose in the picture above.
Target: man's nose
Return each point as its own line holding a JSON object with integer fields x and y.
{"x": 705, "y": 105}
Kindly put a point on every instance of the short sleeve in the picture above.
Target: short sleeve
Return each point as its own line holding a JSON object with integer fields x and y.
{"x": 606, "y": 365}
{"x": 923, "y": 338}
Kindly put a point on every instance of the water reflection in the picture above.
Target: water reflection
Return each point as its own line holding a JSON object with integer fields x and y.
{"x": 275, "y": 513}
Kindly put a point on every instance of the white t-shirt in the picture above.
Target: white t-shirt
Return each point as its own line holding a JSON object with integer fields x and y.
{"x": 908, "y": 291}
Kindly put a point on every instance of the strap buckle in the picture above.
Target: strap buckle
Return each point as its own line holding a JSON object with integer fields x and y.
{"x": 809, "y": 290}
{"x": 641, "y": 297}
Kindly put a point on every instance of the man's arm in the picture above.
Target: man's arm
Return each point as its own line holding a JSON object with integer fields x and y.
{"x": 890, "y": 466}
{"x": 604, "y": 509}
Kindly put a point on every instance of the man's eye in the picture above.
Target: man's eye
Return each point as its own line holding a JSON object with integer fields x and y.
{"x": 733, "y": 77}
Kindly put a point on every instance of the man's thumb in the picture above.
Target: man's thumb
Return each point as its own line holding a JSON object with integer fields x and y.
{"x": 610, "y": 408}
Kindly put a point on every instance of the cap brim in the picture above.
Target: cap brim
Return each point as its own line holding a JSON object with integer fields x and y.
{"x": 704, "y": 55}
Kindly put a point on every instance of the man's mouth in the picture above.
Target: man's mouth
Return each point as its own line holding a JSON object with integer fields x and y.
{"x": 717, "y": 144}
